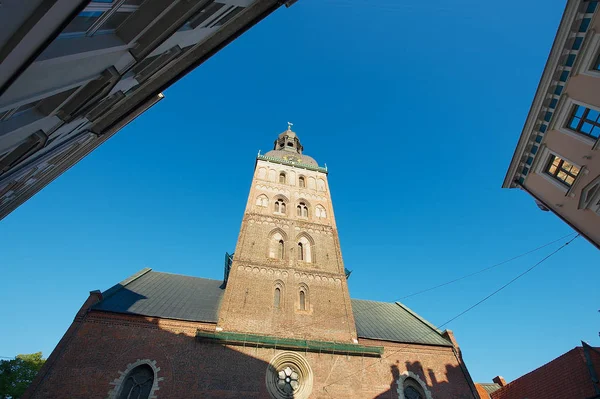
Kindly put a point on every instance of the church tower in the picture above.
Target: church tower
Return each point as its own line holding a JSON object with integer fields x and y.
{"x": 287, "y": 278}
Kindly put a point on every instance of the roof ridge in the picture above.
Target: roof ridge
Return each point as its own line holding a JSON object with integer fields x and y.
{"x": 112, "y": 290}
{"x": 422, "y": 320}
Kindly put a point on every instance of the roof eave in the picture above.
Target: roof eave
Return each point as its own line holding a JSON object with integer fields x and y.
{"x": 562, "y": 35}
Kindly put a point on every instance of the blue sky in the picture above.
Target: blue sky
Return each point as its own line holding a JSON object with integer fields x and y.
{"x": 416, "y": 110}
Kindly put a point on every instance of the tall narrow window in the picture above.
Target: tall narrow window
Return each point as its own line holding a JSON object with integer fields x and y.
{"x": 302, "y": 300}
{"x": 301, "y": 182}
{"x": 280, "y": 249}
{"x": 138, "y": 383}
{"x": 300, "y": 251}
{"x": 596, "y": 65}
{"x": 563, "y": 171}
{"x": 277, "y": 299}
{"x": 279, "y": 206}
{"x": 282, "y": 178}
{"x": 302, "y": 210}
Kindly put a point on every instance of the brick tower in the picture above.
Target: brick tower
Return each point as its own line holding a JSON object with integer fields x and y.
{"x": 287, "y": 272}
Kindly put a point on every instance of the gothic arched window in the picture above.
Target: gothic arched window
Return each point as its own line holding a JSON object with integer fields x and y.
{"x": 280, "y": 249}
{"x": 279, "y": 206}
{"x": 302, "y": 300}
{"x": 301, "y": 182}
{"x": 277, "y": 298}
{"x": 320, "y": 212}
{"x": 138, "y": 383}
{"x": 413, "y": 390}
{"x": 302, "y": 210}
{"x": 300, "y": 251}
{"x": 282, "y": 178}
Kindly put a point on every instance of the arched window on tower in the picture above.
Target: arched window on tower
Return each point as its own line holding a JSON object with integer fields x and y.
{"x": 138, "y": 383}
{"x": 280, "y": 249}
{"x": 301, "y": 182}
{"x": 302, "y": 300}
{"x": 277, "y": 298}
{"x": 302, "y": 210}
{"x": 279, "y": 206}
{"x": 320, "y": 212}
{"x": 282, "y": 178}
{"x": 300, "y": 251}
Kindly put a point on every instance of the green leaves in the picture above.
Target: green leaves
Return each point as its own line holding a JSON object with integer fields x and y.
{"x": 18, "y": 373}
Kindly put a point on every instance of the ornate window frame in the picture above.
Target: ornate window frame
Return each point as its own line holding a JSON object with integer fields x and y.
{"x": 561, "y": 120}
{"x": 590, "y": 53}
{"x": 118, "y": 382}
{"x": 299, "y": 365}
{"x": 409, "y": 375}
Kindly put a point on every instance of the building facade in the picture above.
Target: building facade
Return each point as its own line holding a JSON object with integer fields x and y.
{"x": 573, "y": 375}
{"x": 557, "y": 159}
{"x": 281, "y": 324}
{"x": 74, "y": 72}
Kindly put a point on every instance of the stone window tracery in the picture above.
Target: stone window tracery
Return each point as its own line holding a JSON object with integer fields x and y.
{"x": 301, "y": 182}
{"x": 138, "y": 383}
{"x": 289, "y": 376}
{"x": 279, "y": 206}
{"x": 302, "y": 210}
{"x": 282, "y": 178}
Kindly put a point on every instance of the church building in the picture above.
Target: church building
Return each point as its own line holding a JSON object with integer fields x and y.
{"x": 281, "y": 324}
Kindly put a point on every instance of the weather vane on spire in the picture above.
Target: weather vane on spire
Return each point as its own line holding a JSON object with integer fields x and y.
{"x": 290, "y": 124}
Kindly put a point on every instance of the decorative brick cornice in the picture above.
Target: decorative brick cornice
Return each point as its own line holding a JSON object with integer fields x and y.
{"x": 252, "y": 268}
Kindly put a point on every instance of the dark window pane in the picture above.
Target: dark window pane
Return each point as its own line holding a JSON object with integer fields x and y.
{"x": 529, "y": 161}
{"x": 81, "y": 23}
{"x": 564, "y": 75}
{"x": 525, "y": 171}
{"x": 558, "y": 90}
{"x": 548, "y": 116}
{"x": 534, "y": 149}
{"x": 538, "y": 139}
{"x": 591, "y": 7}
{"x": 543, "y": 128}
{"x": 113, "y": 22}
{"x": 553, "y": 103}
{"x": 574, "y": 123}
{"x": 585, "y": 23}
{"x": 577, "y": 43}
{"x": 138, "y": 383}
{"x": 579, "y": 111}
{"x": 597, "y": 64}
{"x": 570, "y": 60}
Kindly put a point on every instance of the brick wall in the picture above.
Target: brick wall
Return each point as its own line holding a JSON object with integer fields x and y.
{"x": 104, "y": 344}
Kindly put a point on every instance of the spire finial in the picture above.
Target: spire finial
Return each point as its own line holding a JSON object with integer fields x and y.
{"x": 290, "y": 124}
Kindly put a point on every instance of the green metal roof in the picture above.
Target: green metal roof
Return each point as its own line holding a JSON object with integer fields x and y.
{"x": 173, "y": 296}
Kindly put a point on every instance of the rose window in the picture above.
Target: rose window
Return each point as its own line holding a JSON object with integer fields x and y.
{"x": 288, "y": 381}
{"x": 289, "y": 376}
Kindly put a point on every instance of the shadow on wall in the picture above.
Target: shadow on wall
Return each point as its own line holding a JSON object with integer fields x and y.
{"x": 412, "y": 388}
{"x": 116, "y": 355}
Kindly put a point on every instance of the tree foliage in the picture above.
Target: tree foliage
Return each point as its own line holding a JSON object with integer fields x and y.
{"x": 16, "y": 374}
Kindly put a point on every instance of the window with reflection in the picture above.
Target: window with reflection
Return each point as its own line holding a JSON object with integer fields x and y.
{"x": 561, "y": 170}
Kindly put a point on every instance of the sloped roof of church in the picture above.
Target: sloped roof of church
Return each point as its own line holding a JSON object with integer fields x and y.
{"x": 174, "y": 296}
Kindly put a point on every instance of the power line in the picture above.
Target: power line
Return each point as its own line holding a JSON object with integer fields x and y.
{"x": 432, "y": 331}
{"x": 510, "y": 282}
{"x": 296, "y": 327}
{"x": 485, "y": 269}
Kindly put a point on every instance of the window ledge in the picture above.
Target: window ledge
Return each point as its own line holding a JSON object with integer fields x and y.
{"x": 556, "y": 183}
{"x": 579, "y": 136}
